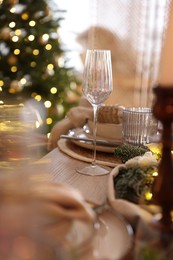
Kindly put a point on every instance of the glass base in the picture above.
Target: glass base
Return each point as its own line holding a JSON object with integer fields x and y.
{"x": 93, "y": 170}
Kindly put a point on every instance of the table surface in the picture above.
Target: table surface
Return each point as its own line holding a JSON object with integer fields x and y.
{"x": 62, "y": 168}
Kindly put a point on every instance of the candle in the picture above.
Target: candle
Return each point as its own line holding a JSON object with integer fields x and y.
{"x": 166, "y": 65}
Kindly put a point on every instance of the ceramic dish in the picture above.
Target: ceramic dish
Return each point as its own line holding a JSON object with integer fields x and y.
{"x": 113, "y": 236}
{"x": 79, "y": 132}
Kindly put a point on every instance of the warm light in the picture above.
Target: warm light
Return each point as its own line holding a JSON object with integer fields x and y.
{"x": 32, "y": 23}
{"x": 50, "y": 66}
{"x": 148, "y": 195}
{"x": 12, "y": 24}
{"x": 16, "y": 51}
{"x": 0, "y": 89}
{"x": 48, "y": 47}
{"x": 23, "y": 81}
{"x": 33, "y": 64}
{"x": 45, "y": 37}
{"x": 1, "y": 83}
{"x": 35, "y": 52}
{"x": 53, "y": 90}
{"x": 13, "y": 69}
{"x": 49, "y": 121}
{"x": 31, "y": 38}
{"x": 24, "y": 16}
{"x": 38, "y": 97}
{"x": 15, "y": 38}
{"x": 155, "y": 174}
{"x": 12, "y": 10}
{"x": 18, "y": 32}
{"x": 47, "y": 104}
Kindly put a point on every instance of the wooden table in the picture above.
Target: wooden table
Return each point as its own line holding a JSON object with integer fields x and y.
{"x": 62, "y": 168}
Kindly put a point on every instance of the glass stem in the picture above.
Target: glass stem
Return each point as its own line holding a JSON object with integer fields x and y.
{"x": 95, "y": 111}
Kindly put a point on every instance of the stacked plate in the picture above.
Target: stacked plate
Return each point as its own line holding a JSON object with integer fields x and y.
{"x": 108, "y": 136}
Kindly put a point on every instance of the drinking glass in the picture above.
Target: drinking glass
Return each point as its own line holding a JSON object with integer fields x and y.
{"x": 97, "y": 87}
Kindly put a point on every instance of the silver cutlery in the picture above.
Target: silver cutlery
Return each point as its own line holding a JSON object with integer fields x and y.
{"x": 90, "y": 140}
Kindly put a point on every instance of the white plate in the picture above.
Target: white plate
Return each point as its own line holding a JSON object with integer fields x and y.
{"x": 113, "y": 237}
{"x": 79, "y": 132}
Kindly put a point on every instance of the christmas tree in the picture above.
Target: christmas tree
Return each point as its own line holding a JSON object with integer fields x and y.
{"x": 32, "y": 60}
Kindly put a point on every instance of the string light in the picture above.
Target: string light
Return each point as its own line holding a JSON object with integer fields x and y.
{"x": 45, "y": 37}
{"x": 13, "y": 69}
{"x": 50, "y": 66}
{"x": 12, "y": 24}
{"x": 13, "y": 10}
{"x": 47, "y": 104}
{"x": 38, "y": 98}
{"x": 32, "y": 23}
{"x": 53, "y": 90}
{"x": 31, "y": 38}
{"x": 18, "y": 32}
{"x": 23, "y": 81}
{"x": 36, "y": 52}
{"x": 49, "y": 121}
{"x": 16, "y": 51}
{"x": 15, "y": 38}
{"x": 1, "y": 83}
{"x": 48, "y": 47}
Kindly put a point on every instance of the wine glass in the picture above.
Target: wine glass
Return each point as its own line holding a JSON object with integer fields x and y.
{"x": 96, "y": 87}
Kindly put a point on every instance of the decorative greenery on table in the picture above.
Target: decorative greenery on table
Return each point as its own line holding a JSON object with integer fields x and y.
{"x": 134, "y": 180}
{"x": 133, "y": 183}
{"x": 127, "y": 151}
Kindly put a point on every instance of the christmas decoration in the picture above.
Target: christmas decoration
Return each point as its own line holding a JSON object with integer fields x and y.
{"x": 32, "y": 60}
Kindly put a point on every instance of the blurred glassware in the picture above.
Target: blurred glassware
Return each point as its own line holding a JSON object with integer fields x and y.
{"x": 138, "y": 125}
{"x": 17, "y": 134}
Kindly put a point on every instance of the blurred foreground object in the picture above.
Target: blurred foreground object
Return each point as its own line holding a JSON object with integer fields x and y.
{"x": 19, "y": 143}
{"x": 40, "y": 220}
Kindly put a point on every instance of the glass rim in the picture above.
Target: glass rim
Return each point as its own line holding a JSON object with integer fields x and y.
{"x": 138, "y": 109}
{"x": 98, "y": 50}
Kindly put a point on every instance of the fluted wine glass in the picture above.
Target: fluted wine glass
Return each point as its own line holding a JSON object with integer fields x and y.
{"x": 97, "y": 87}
